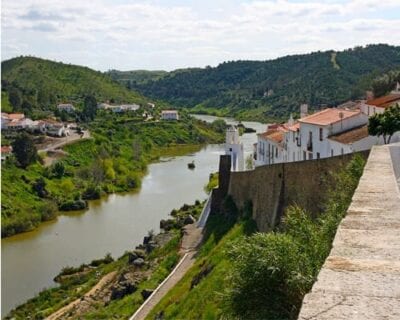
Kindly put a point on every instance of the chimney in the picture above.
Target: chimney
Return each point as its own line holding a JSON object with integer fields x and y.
{"x": 303, "y": 110}
{"x": 291, "y": 121}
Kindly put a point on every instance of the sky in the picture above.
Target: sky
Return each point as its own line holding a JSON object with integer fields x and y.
{"x": 167, "y": 35}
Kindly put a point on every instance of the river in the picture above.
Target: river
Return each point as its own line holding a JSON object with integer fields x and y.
{"x": 117, "y": 223}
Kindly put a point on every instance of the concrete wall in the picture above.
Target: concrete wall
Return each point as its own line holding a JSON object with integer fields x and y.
{"x": 272, "y": 188}
{"x": 360, "y": 280}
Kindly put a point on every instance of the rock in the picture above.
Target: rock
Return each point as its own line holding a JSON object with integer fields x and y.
{"x": 140, "y": 252}
{"x": 167, "y": 224}
{"x": 189, "y": 220}
{"x": 138, "y": 262}
{"x": 132, "y": 256}
{"x": 205, "y": 270}
{"x": 146, "y": 293}
{"x": 147, "y": 239}
{"x": 151, "y": 246}
{"x": 121, "y": 289}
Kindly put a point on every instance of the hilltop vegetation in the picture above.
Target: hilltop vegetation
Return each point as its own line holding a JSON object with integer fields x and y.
{"x": 32, "y": 85}
{"x": 272, "y": 89}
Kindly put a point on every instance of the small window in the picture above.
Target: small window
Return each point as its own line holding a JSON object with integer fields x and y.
{"x": 318, "y": 155}
{"x": 331, "y": 152}
{"x": 310, "y": 156}
{"x": 230, "y": 149}
{"x": 304, "y": 155}
{"x": 276, "y": 152}
{"x": 321, "y": 134}
{"x": 342, "y": 151}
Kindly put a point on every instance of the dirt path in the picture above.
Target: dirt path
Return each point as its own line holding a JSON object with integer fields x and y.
{"x": 63, "y": 312}
{"x": 190, "y": 242}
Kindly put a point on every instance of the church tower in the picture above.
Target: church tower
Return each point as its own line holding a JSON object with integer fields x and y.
{"x": 234, "y": 148}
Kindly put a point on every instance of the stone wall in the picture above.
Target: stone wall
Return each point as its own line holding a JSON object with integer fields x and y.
{"x": 272, "y": 188}
{"x": 361, "y": 277}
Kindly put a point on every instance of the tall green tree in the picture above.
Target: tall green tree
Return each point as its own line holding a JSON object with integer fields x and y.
{"x": 89, "y": 108}
{"x": 385, "y": 124}
{"x": 24, "y": 150}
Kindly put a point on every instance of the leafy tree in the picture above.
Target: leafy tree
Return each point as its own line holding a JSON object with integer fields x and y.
{"x": 89, "y": 108}
{"x": 15, "y": 98}
{"x": 385, "y": 124}
{"x": 24, "y": 150}
{"x": 58, "y": 169}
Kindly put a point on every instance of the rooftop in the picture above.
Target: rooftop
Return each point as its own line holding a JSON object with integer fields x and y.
{"x": 273, "y": 135}
{"x": 329, "y": 116}
{"x": 385, "y": 101}
{"x": 351, "y": 136}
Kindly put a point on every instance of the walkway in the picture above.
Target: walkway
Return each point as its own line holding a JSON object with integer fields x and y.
{"x": 191, "y": 240}
{"x": 361, "y": 277}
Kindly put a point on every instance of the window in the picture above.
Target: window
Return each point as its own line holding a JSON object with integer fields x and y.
{"x": 310, "y": 156}
{"x": 318, "y": 155}
{"x": 276, "y": 152}
{"x": 304, "y": 155}
{"x": 331, "y": 152}
{"x": 321, "y": 134}
{"x": 342, "y": 151}
{"x": 293, "y": 136}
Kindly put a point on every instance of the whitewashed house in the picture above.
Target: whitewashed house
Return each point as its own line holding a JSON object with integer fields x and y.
{"x": 67, "y": 107}
{"x": 379, "y": 105}
{"x": 169, "y": 115}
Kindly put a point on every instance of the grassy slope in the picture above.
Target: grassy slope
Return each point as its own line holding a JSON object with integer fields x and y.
{"x": 111, "y": 149}
{"x": 45, "y": 83}
{"x": 210, "y": 298}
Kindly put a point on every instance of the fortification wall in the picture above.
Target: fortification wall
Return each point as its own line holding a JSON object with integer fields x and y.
{"x": 272, "y": 188}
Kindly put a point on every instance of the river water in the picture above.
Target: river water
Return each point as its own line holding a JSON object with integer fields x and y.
{"x": 117, "y": 223}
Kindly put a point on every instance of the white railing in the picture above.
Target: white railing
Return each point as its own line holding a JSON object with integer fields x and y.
{"x": 205, "y": 213}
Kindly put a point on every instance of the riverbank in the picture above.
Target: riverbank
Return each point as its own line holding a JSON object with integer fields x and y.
{"x": 104, "y": 287}
{"x": 115, "y": 160}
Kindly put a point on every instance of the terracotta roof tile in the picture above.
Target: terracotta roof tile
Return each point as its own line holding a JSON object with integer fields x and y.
{"x": 329, "y": 116}
{"x": 274, "y": 135}
{"x": 385, "y": 101}
{"x": 351, "y": 136}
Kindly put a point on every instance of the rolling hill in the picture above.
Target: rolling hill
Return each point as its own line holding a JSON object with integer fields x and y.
{"x": 271, "y": 89}
{"x": 31, "y": 84}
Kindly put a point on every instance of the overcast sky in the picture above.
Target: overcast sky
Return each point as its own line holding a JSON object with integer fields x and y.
{"x": 128, "y": 35}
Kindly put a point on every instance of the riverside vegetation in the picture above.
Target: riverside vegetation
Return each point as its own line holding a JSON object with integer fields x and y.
{"x": 113, "y": 160}
{"x": 130, "y": 279}
{"x": 243, "y": 274}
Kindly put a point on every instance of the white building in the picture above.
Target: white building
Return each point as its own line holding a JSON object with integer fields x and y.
{"x": 169, "y": 115}
{"x": 234, "y": 148}
{"x": 324, "y": 134}
{"x": 67, "y": 107}
{"x": 379, "y": 105}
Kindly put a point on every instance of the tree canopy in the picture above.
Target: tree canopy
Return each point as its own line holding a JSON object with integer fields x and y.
{"x": 385, "y": 124}
{"x": 24, "y": 150}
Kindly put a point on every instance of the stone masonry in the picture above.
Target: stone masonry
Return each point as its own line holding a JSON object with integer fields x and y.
{"x": 360, "y": 279}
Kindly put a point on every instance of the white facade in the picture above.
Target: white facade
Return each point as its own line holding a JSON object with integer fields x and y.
{"x": 169, "y": 115}
{"x": 234, "y": 148}
{"x": 314, "y": 137}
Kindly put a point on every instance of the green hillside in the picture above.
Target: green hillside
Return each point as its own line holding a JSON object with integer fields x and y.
{"x": 36, "y": 84}
{"x": 272, "y": 89}
{"x": 132, "y": 78}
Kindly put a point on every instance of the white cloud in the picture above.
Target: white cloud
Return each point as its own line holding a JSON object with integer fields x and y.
{"x": 120, "y": 34}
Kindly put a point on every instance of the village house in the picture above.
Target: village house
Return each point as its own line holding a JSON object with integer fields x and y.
{"x": 327, "y": 133}
{"x": 53, "y": 128}
{"x": 6, "y": 152}
{"x": 169, "y": 115}
{"x": 12, "y": 121}
{"x": 379, "y": 105}
{"x": 67, "y": 107}
{"x": 119, "y": 108}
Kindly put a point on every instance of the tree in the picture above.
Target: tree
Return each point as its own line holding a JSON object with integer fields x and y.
{"x": 385, "y": 124}
{"x": 89, "y": 108}
{"x": 24, "y": 150}
{"x": 15, "y": 98}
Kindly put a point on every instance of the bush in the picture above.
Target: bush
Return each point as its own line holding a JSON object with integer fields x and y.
{"x": 73, "y": 205}
{"x": 92, "y": 193}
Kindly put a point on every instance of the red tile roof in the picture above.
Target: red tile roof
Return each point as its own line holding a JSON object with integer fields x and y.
{"x": 16, "y": 116}
{"x": 274, "y": 135}
{"x": 6, "y": 149}
{"x": 351, "y": 136}
{"x": 385, "y": 101}
{"x": 329, "y": 116}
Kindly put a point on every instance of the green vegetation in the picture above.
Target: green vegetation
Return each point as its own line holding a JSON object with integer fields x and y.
{"x": 272, "y": 89}
{"x": 132, "y": 78}
{"x": 240, "y": 274}
{"x": 76, "y": 281}
{"x": 114, "y": 160}
{"x": 385, "y": 83}
{"x": 385, "y": 124}
{"x": 33, "y": 85}
{"x": 24, "y": 150}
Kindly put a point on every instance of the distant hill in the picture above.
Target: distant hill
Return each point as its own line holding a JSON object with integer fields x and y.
{"x": 32, "y": 84}
{"x": 132, "y": 78}
{"x": 274, "y": 88}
